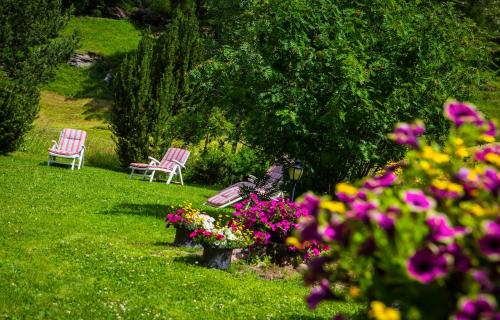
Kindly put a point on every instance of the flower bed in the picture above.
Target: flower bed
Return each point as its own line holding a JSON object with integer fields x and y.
{"x": 186, "y": 220}
{"x": 425, "y": 245}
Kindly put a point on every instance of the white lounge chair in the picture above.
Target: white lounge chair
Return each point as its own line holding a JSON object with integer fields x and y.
{"x": 71, "y": 145}
{"x": 232, "y": 194}
{"x": 171, "y": 164}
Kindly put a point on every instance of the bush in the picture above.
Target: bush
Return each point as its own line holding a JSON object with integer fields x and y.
{"x": 323, "y": 80}
{"x": 222, "y": 167}
{"x": 29, "y": 51}
{"x": 425, "y": 245}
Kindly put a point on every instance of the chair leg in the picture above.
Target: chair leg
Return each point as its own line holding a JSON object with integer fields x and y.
{"x": 73, "y": 164}
{"x": 131, "y": 173}
{"x": 180, "y": 176}
{"x": 48, "y": 161}
{"x": 79, "y": 163}
{"x": 152, "y": 176}
{"x": 172, "y": 174}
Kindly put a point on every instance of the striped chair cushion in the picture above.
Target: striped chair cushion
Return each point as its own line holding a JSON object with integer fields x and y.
{"x": 139, "y": 165}
{"x": 63, "y": 153}
{"x": 177, "y": 154}
{"x": 225, "y": 196}
{"x": 70, "y": 142}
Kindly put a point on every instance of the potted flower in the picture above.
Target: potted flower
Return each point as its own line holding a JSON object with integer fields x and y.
{"x": 218, "y": 244}
{"x": 186, "y": 220}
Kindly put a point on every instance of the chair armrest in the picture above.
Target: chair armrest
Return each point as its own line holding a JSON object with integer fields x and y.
{"x": 54, "y": 144}
{"x": 180, "y": 164}
{"x": 252, "y": 178}
{"x": 153, "y": 161}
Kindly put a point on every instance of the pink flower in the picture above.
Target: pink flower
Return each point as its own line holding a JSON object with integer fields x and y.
{"x": 408, "y": 134}
{"x": 425, "y": 265}
{"x": 418, "y": 201}
{"x": 460, "y": 113}
{"x": 382, "y": 181}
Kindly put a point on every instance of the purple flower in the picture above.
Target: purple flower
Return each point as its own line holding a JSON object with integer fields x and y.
{"x": 418, "y": 201}
{"x": 490, "y": 246}
{"x": 425, "y": 266}
{"x": 461, "y": 113}
{"x": 383, "y": 181}
{"x": 360, "y": 210}
{"x": 491, "y": 180}
{"x": 310, "y": 204}
{"x": 441, "y": 230}
{"x": 491, "y": 129}
{"x": 320, "y": 293}
{"x": 316, "y": 269}
{"x": 308, "y": 229}
{"x": 481, "y": 308}
{"x": 384, "y": 221}
{"x": 461, "y": 262}
{"x": 407, "y": 134}
{"x": 482, "y": 277}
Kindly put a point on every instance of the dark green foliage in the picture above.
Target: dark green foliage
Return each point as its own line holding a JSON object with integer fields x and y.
{"x": 150, "y": 88}
{"x": 29, "y": 51}
{"x": 222, "y": 167}
{"x": 325, "y": 81}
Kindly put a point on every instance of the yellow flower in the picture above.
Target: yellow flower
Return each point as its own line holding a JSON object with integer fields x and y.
{"x": 493, "y": 158}
{"x": 431, "y": 154}
{"x": 354, "y": 292}
{"x": 380, "y": 311}
{"x": 333, "y": 206}
{"x": 488, "y": 138}
{"x": 346, "y": 188}
{"x": 462, "y": 152}
{"x": 292, "y": 241}
{"x": 458, "y": 142}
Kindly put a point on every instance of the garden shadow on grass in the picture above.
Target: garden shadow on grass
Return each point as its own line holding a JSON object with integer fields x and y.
{"x": 148, "y": 210}
{"x": 193, "y": 259}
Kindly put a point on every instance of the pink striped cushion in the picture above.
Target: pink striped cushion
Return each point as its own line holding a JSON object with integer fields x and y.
{"x": 139, "y": 165}
{"x": 225, "y": 196}
{"x": 71, "y": 141}
{"x": 166, "y": 165}
{"x": 275, "y": 172}
{"x": 177, "y": 154}
{"x": 63, "y": 153}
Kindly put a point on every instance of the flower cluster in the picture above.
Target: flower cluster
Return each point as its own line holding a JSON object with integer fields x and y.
{"x": 228, "y": 237}
{"x": 270, "y": 221}
{"x": 190, "y": 218}
{"x": 423, "y": 239}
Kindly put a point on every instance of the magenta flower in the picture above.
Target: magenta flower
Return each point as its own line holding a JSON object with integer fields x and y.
{"x": 360, "y": 210}
{"x": 310, "y": 205}
{"x": 491, "y": 129}
{"x": 461, "y": 262}
{"x": 384, "y": 221}
{"x": 490, "y": 246}
{"x": 441, "y": 230}
{"x": 491, "y": 180}
{"x": 461, "y": 113}
{"x": 320, "y": 293}
{"x": 418, "y": 201}
{"x": 316, "y": 269}
{"x": 482, "y": 277}
{"x": 408, "y": 134}
{"x": 481, "y": 308}
{"x": 425, "y": 266}
{"x": 308, "y": 229}
{"x": 383, "y": 181}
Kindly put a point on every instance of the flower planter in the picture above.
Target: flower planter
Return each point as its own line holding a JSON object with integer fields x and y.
{"x": 182, "y": 238}
{"x": 218, "y": 258}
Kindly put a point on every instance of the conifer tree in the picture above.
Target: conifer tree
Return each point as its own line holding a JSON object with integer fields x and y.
{"x": 30, "y": 48}
{"x": 151, "y": 87}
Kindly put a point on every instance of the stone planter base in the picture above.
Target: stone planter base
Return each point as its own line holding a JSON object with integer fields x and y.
{"x": 182, "y": 238}
{"x": 217, "y": 258}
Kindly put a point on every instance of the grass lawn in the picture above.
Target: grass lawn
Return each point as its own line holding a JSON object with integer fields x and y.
{"x": 92, "y": 244}
{"x": 107, "y": 37}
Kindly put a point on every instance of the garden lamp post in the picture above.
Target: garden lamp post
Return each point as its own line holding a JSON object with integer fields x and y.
{"x": 295, "y": 173}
